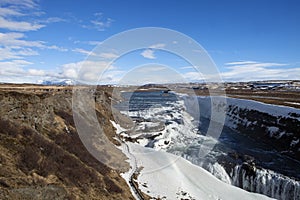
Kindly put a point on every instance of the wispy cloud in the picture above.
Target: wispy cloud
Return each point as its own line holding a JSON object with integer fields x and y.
{"x": 9, "y": 12}
{"x": 54, "y": 47}
{"x": 12, "y": 68}
{"x": 193, "y": 76}
{"x": 103, "y": 55}
{"x": 82, "y": 51}
{"x": 151, "y": 69}
{"x": 15, "y": 19}
{"x": 23, "y": 3}
{"x": 108, "y": 55}
{"x": 248, "y": 71}
{"x": 252, "y": 70}
{"x": 94, "y": 42}
{"x": 188, "y": 67}
{"x": 10, "y": 9}
{"x": 241, "y": 63}
{"x": 91, "y": 42}
{"x": 99, "y": 23}
{"x": 14, "y": 39}
{"x": 149, "y": 53}
{"x": 252, "y": 64}
{"x": 88, "y": 71}
{"x": 36, "y": 72}
{"x": 157, "y": 46}
{"x": 8, "y": 53}
{"x": 52, "y": 20}
{"x": 15, "y": 46}
{"x": 19, "y": 25}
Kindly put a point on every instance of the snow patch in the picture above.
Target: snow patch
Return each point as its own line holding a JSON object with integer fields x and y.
{"x": 167, "y": 175}
{"x": 118, "y": 127}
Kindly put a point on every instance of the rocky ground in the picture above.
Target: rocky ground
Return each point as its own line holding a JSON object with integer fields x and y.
{"x": 41, "y": 154}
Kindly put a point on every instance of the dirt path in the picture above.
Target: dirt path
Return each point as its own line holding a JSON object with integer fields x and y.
{"x": 133, "y": 171}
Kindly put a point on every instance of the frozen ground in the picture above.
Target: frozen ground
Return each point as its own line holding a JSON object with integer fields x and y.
{"x": 168, "y": 176}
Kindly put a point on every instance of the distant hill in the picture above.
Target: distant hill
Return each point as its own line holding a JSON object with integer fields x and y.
{"x": 57, "y": 82}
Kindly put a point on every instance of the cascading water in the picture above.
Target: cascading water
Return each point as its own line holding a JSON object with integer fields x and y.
{"x": 165, "y": 122}
{"x": 265, "y": 182}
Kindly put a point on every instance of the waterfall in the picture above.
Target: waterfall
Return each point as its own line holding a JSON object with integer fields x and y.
{"x": 265, "y": 182}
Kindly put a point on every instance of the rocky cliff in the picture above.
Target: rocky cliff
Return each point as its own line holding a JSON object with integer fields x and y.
{"x": 41, "y": 154}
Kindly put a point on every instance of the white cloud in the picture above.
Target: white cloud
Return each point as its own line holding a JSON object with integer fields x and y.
{"x": 10, "y": 41}
{"x": 14, "y": 67}
{"x": 19, "y": 26}
{"x": 108, "y": 55}
{"x": 151, "y": 69}
{"x": 15, "y": 46}
{"x": 70, "y": 70}
{"x": 88, "y": 71}
{"x": 250, "y": 65}
{"x": 17, "y": 39}
{"x": 91, "y": 42}
{"x": 6, "y": 53}
{"x": 82, "y": 51}
{"x": 94, "y": 42}
{"x": 240, "y": 63}
{"x": 19, "y": 8}
{"x": 149, "y": 53}
{"x": 54, "y": 47}
{"x": 104, "y": 55}
{"x": 188, "y": 67}
{"x": 251, "y": 70}
{"x": 248, "y": 71}
{"x": 100, "y": 23}
{"x": 36, "y": 72}
{"x": 52, "y": 20}
{"x": 193, "y": 76}
{"x": 157, "y": 46}
{"x": 18, "y": 62}
{"x": 21, "y": 3}
{"x": 26, "y": 52}
{"x": 9, "y": 12}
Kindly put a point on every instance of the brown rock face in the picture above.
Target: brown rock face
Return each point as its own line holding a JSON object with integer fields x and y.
{"x": 41, "y": 154}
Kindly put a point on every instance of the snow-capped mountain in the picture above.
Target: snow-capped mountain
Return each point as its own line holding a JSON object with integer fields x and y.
{"x": 57, "y": 82}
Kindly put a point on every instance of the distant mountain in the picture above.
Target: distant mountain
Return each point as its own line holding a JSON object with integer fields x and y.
{"x": 57, "y": 82}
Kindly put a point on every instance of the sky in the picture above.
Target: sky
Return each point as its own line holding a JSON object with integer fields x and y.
{"x": 56, "y": 40}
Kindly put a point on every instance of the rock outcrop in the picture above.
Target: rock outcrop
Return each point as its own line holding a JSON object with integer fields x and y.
{"x": 41, "y": 154}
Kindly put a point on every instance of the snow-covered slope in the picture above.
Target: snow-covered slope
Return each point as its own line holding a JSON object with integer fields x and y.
{"x": 173, "y": 128}
{"x": 167, "y": 176}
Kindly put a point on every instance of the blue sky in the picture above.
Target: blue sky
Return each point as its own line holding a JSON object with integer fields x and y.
{"x": 247, "y": 40}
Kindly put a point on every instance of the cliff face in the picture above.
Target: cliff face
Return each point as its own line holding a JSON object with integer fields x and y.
{"x": 41, "y": 154}
{"x": 276, "y": 126}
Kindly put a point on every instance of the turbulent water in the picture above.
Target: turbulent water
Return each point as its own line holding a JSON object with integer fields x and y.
{"x": 266, "y": 182}
{"x": 164, "y": 121}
